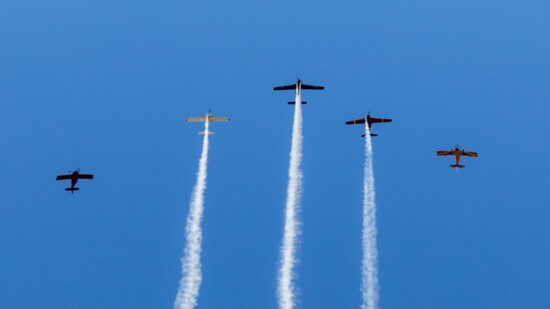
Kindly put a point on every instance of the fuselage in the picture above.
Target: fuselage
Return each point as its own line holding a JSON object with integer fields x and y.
{"x": 457, "y": 153}
{"x": 74, "y": 179}
{"x": 367, "y": 119}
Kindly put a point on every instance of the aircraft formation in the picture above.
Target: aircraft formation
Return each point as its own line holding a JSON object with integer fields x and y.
{"x": 297, "y": 87}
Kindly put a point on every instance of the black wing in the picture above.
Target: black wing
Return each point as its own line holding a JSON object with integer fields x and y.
{"x": 63, "y": 177}
{"x": 312, "y": 87}
{"x": 378, "y": 120}
{"x": 289, "y": 87}
{"x": 85, "y": 176}
{"x": 358, "y": 121}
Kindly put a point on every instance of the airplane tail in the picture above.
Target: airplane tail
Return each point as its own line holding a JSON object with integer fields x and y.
{"x": 293, "y": 102}
{"x": 372, "y": 134}
{"x": 72, "y": 189}
{"x": 458, "y": 165}
{"x": 209, "y": 132}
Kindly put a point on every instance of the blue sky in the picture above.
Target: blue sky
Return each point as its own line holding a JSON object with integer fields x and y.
{"x": 105, "y": 86}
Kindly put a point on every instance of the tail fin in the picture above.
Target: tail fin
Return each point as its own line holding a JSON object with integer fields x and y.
{"x": 458, "y": 165}
{"x": 72, "y": 189}
{"x": 372, "y": 134}
{"x": 294, "y": 102}
{"x": 209, "y": 132}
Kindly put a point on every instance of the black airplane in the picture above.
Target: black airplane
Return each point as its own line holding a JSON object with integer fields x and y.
{"x": 299, "y": 87}
{"x": 74, "y": 177}
{"x": 369, "y": 120}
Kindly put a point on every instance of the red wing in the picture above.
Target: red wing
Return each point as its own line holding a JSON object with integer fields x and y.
{"x": 85, "y": 176}
{"x": 63, "y": 177}
{"x": 378, "y": 120}
{"x": 469, "y": 154}
{"x": 444, "y": 153}
{"x": 358, "y": 121}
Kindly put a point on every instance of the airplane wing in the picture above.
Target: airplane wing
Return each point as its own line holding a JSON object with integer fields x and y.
{"x": 469, "y": 154}
{"x": 444, "y": 153}
{"x": 289, "y": 87}
{"x": 358, "y": 121}
{"x": 312, "y": 87}
{"x": 63, "y": 177}
{"x": 85, "y": 176}
{"x": 378, "y": 120}
{"x": 196, "y": 119}
{"x": 216, "y": 118}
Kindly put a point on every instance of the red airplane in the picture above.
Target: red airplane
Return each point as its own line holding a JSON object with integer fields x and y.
{"x": 74, "y": 177}
{"x": 369, "y": 120}
{"x": 457, "y": 153}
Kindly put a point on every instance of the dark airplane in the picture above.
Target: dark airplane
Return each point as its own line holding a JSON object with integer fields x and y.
{"x": 74, "y": 177}
{"x": 299, "y": 87}
{"x": 369, "y": 120}
{"x": 457, "y": 153}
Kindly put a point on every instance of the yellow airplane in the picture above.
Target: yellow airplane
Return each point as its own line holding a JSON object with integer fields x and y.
{"x": 457, "y": 153}
{"x": 207, "y": 118}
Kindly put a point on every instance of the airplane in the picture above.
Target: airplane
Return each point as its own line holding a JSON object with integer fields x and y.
{"x": 208, "y": 117}
{"x": 74, "y": 177}
{"x": 298, "y": 87}
{"x": 457, "y": 153}
{"x": 369, "y": 120}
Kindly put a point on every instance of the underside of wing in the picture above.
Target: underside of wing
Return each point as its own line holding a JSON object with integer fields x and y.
{"x": 312, "y": 87}
{"x": 378, "y": 120}
{"x": 444, "y": 153}
{"x": 216, "y": 118}
{"x": 85, "y": 176}
{"x": 289, "y": 87}
{"x": 63, "y": 177}
{"x": 470, "y": 154}
{"x": 196, "y": 119}
{"x": 358, "y": 121}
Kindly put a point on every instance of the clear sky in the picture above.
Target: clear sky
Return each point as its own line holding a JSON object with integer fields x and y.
{"x": 105, "y": 86}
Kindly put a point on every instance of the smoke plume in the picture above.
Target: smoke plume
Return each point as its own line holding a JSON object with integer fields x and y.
{"x": 191, "y": 261}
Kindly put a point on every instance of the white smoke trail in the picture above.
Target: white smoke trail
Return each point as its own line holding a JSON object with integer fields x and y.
{"x": 188, "y": 290}
{"x": 286, "y": 289}
{"x": 369, "y": 270}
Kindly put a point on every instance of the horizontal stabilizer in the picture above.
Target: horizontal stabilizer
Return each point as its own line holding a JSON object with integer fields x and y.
{"x": 293, "y": 102}
{"x": 72, "y": 189}
{"x": 372, "y": 134}
{"x": 457, "y": 165}
{"x": 209, "y": 132}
